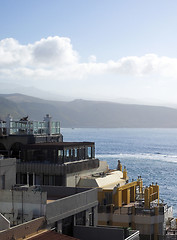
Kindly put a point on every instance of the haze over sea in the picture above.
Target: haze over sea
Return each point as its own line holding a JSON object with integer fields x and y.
{"x": 149, "y": 153}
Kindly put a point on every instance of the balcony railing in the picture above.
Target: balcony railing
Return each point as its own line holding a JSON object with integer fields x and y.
{"x": 110, "y": 208}
{"x": 32, "y": 128}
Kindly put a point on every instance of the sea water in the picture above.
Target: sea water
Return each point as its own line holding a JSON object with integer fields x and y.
{"x": 149, "y": 153}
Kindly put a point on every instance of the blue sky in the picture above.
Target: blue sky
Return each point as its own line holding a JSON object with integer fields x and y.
{"x": 90, "y": 49}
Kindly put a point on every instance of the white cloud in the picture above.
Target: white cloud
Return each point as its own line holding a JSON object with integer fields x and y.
{"x": 54, "y": 59}
{"x": 54, "y": 51}
{"x": 13, "y": 54}
{"x": 50, "y": 52}
{"x": 92, "y": 58}
{"x": 149, "y": 64}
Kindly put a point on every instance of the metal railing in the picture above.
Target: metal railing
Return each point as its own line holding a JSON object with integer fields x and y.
{"x": 134, "y": 235}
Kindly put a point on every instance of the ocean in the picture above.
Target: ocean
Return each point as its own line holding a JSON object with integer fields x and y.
{"x": 149, "y": 153}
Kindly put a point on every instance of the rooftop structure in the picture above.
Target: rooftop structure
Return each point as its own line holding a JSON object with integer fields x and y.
{"x": 55, "y": 163}
{"x": 106, "y": 180}
{"x": 14, "y": 134}
{"x": 68, "y": 211}
{"x": 129, "y": 204}
{"x": 42, "y": 156}
{"x": 23, "y": 203}
{"x": 44, "y": 159}
{"x": 24, "y": 126}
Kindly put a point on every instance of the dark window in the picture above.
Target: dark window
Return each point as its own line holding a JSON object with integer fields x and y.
{"x": 80, "y": 218}
{"x": 23, "y": 179}
{"x": 46, "y": 179}
{"x": 59, "y": 181}
{"x": 3, "y": 181}
{"x": 30, "y": 179}
{"x": 67, "y": 225}
{"x": 91, "y": 218}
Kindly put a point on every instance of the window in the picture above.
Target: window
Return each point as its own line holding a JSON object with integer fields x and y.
{"x": 89, "y": 152}
{"x": 3, "y": 181}
{"x": 80, "y": 218}
{"x": 91, "y": 219}
{"x": 60, "y": 153}
{"x": 75, "y": 152}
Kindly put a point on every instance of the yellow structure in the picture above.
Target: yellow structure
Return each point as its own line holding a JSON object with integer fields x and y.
{"x": 125, "y": 173}
{"x": 128, "y": 204}
{"x": 151, "y": 194}
{"x": 119, "y": 166}
{"x": 121, "y": 195}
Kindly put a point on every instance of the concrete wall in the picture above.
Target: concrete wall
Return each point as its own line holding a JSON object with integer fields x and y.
{"x": 61, "y": 191}
{"x": 71, "y": 205}
{"x": 95, "y": 233}
{"x": 64, "y": 173}
{"x": 81, "y": 165}
{"x": 10, "y": 140}
{"x": 28, "y": 139}
{"x": 23, "y": 230}
{"x": 143, "y": 223}
{"x": 146, "y": 219}
{"x": 7, "y": 173}
{"x": 73, "y": 179}
{"x": 22, "y": 206}
{"x": 38, "y": 168}
{"x": 4, "y": 223}
{"x": 70, "y": 167}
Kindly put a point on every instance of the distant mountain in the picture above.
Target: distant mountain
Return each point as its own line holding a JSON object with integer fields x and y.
{"x": 7, "y": 106}
{"x": 32, "y": 91}
{"x": 83, "y": 113}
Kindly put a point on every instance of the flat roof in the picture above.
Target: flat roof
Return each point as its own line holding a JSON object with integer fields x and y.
{"x": 59, "y": 145}
{"x": 50, "y": 235}
{"x": 107, "y": 181}
{"x": 57, "y": 192}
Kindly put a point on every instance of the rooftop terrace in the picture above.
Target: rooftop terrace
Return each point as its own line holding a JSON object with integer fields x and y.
{"x": 24, "y": 126}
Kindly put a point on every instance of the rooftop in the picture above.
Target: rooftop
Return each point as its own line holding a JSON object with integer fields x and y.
{"x": 106, "y": 181}
{"x": 50, "y": 235}
{"x": 24, "y": 126}
{"x": 58, "y": 144}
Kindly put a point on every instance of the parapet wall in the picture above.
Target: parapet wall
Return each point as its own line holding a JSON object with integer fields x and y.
{"x": 23, "y": 230}
{"x": 61, "y": 191}
{"x": 71, "y": 205}
{"x": 104, "y": 233}
{"x": 57, "y": 169}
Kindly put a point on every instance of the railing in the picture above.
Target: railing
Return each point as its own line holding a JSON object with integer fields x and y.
{"x": 168, "y": 237}
{"x": 110, "y": 208}
{"x": 106, "y": 208}
{"x": 33, "y": 127}
{"x": 142, "y": 211}
{"x": 134, "y": 235}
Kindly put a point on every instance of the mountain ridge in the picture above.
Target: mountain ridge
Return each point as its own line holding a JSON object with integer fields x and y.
{"x": 89, "y": 113}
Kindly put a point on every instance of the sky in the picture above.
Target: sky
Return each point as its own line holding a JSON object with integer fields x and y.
{"x": 102, "y": 50}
